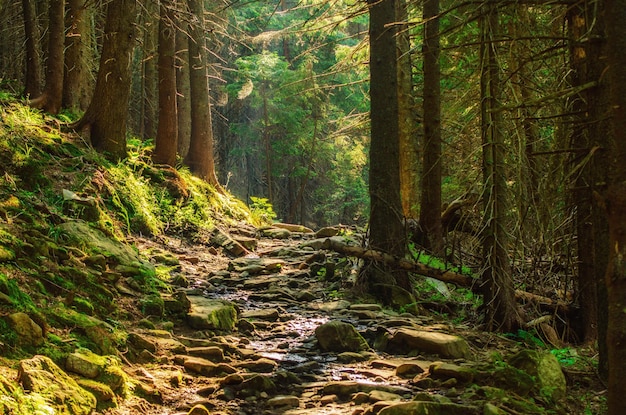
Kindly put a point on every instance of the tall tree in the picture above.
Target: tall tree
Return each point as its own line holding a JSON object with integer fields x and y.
{"x": 51, "y": 98}
{"x": 430, "y": 209}
{"x": 408, "y": 131}
{"x": 106, "y": 118}
{"x": 200, "y": 158}
{"x": 166, "y": 142}
{"x": 497, "y": 282}
{"x": 616, "y": 207}
{"x": 150, "y": 70}
{"x": 32, "y": 82}
{"x": 77, "y": 79}
{"x": 183, "y": 104}
{"x": 387, "y": 231}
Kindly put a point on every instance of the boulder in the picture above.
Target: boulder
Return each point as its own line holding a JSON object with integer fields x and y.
{"x": 83, "y": 236}
{"x": 337, "y": 336}
{"x": 85, "y": 363}
{"x": 407, "y": 340}
{"x": 28, "y": 332}
{"x": 40, "y": 375}
{"x": 267, "y": 314}
{"x": 545, "y": 370}
{"x": 206, "y": 313}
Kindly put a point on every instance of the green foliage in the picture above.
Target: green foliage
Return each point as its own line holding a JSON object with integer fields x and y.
{"x": 529, "y": 338}
{"x": 262, "y": 209}
{"x": 19, "y": 299}
{"x": 8, "y": 336}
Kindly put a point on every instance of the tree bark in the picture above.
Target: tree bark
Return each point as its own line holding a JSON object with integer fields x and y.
{"x": 387, "y": 232}
{"x": 409, "y": 133}
{"x": 430, "y": 210}
{"x": 182, "y": 87}
{"x": 200, "y": 158}
{"x": 149, "y": 80}
{"x": 616, "y": 208}
{"x": 106, "y": 118}
{"x": 497, "y": 283}
{"x": 32, "y": 81}
{"x": 166, "y": 142}
{"x": 51, "y": 98}
{"x": 77, "y": 87}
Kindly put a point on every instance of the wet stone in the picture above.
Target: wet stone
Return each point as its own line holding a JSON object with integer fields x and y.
{"x": 268, "y": 314}
{"x": 284, "y": 401}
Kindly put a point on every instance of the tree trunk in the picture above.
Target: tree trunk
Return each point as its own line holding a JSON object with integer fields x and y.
{"x": 497, "y": 283}
{"x": 430, "y": 211}
{"x": 616, "y": 208}
{"x": 182, "y": 86}
{"x": 166, "y": 142}
{"x": 386, "y": 220}
{"x": 149, "y": 80}
{"x": 409, "y": 135}
{"x": 77, "y": 77}
{"x": 106, "y": 118}
{"x": 32, "y": 81}
{"x": 51, "y": 98}
{"x": 200, "y": 158}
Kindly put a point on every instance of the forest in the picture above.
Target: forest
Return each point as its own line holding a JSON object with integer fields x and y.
{"x": 477, "y": 144}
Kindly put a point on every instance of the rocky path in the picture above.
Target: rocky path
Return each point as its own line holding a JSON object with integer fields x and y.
{"x": 274, "y": 330}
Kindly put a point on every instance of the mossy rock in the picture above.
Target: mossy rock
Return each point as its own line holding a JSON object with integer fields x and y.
{"x": 41, "y": 376}
{"x": 212, "y": 314}
{"x": 95, "y": 241}
{"x": 545, "y": 370}
{"x": 337, "y": 336}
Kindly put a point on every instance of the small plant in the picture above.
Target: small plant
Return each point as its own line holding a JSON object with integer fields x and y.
{"x": 262, "y": 209}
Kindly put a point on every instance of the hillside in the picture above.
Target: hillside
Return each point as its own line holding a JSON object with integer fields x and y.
{"x": 132, "y": 288}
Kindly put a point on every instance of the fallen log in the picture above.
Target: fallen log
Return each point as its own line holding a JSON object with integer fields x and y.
{"x": 544, "y": 302}
{"x": 402, "y": 263}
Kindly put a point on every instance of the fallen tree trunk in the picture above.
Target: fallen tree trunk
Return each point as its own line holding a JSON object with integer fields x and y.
{"x": 544, "y": 302}
{"x": 402, "y": 263}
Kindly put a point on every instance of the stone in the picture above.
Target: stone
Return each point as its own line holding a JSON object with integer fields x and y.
{"x": 406, "y": 340}
{"x": 260, "y": 282}
{"x": 40, "y": 375}
{"x": 350, "y": 357}
{"x": 85, "y": 363}
{"x": 408, "y": 370}
{"x": 327, "y": 232}
{"x": 140, "y": 342}
{"x": 212, "y": 353}
{"x": 291, "y": 227}
{"x": 201, "y": 366}
{"x": 444, "y": 371}
{"x": 28, "y": 332}
{"x": 262, "y": 365}
{"x": 337, "y": 336}
{"x": 83, "y": 236}
{"x": 545, "y": 370}
{"x": 429, "y": 408}
{"x": 256, "y": 265}
{"x": 267, "y": 314}
{"x": 223, "y": 240}
{"x": 276, "y": 233}
{"x": 283, "y": 401}
{"x": 212, "y": 314}
{"x": 378, "y": 395}
{"x": 102, "y": 392}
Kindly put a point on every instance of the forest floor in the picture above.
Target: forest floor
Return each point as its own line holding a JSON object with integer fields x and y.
{"x": 272, "y": 362}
